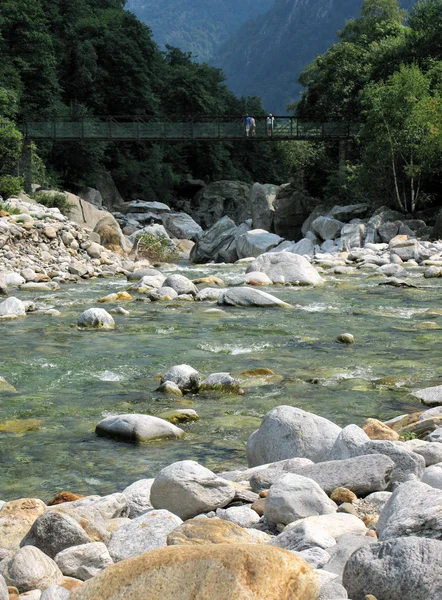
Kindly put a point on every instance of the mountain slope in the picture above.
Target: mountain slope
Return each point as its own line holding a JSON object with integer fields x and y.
{"x": 266, "y": 55}
{"x": 197, "y": 26}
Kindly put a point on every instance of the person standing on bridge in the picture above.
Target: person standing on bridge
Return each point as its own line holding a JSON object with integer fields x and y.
{"x": 248, "y": 119}
{"x": 252, "y": 126}
{"x": 270, "y": 123}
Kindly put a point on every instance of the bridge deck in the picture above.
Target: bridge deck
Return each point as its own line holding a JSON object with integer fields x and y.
{"x": 157, "y": 129}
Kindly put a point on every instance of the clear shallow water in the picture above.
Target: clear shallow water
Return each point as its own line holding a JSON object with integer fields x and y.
{"x": 70, "y": 379}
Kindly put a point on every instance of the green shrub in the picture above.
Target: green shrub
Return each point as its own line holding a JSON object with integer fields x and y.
{"x": 54, "y": 200}
{"x": 10, "y": 186}
{"x": 156, "y": 248}
{"x": 8, "y": 208}
{"x": 407, "y": 435}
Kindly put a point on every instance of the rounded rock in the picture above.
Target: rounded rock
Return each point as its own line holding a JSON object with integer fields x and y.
{"x": 96, "y": 318}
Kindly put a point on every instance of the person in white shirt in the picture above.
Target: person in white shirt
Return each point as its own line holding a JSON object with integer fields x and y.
{"x": 270, "y": 123}
{"x": 252, "y": 126}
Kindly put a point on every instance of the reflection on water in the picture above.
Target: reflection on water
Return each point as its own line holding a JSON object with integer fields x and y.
{"x": 70, "y": 379}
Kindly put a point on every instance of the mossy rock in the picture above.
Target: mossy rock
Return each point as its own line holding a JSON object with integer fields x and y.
{"x": 20, "y": 425}
{"x": 5, "y": 386}
{"x": 179, "y": 415}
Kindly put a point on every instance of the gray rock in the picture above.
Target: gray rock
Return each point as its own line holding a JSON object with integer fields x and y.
{"x": 345, "y": 546}
{"x": 87, "y": 516}
{"x": 112, "y": 506}
{"x": 148, "y": 282}
{"x": 55, "y": 592}
{"x": 433, "y": 476}
{"x": 335, "y": 524}
{"x": 379, "y": 499}
{"x": 262, "y": 197}
{"x": 181, "y": 284}
{"x": 85, "y": 561}
{"x": 413, "y": 509}
{"x": 431, "y": 451}
{"x": 96, "y": 318}
{"x": 181, "y": 226}
{"x": 185, "y": 376}
{"x": 225, "y": 197}
{"x": 347, "y": 441}
{"x": 138, "y": 428}
{"x": 4, "y": 595}
{"x": 348, "y": 212}
{"x": 388, "y": 230}
{"x": 352, "y": 235}
{"x": 326, "y": 227}
{"x": 140, "y": 273}
{"x": 52, "y": 532}
{"x": 13, "y": 279}
{"x": 304, "y": 247}
{"x": 316, "y": 557}
{"x": 29, "y": 569}
{"x": 208, "y": 294}
{"x": 289, "y": 432}
{"x": 138, "y": 497}
{"x": 406, "y": 568}
{"x": 240, "y": 515}
{"x": 222, "y": 382}
{"x": 264, "y": 473}
{"x": 435, "y": 436}
{"x": 144, "y": 533}
{"x": 304, "y": 536}
{"x": 430, "y": 413}
{"x": 408, "y": 250}
{"x": 284, "y": 267}
{"x": 409, "y": 465}
{"x": 256, "y": 242}
{"x": 241, "y": 296}
{"x": 217, "y": 244}
{"x": 12, "y": 308}
{"x": 431, "y": 396}
{"x": 296, "y": 497}
{"x": 332, "y": 591}
{"x": 187, "y": 489}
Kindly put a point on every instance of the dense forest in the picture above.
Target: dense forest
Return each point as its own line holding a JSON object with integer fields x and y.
{"x": 92, "y": 57}
{"x": 197, "y": 26}
{"x": 386, "y": 74}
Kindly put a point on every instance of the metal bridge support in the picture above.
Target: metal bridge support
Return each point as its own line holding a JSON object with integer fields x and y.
{"x": 26, "y": 161}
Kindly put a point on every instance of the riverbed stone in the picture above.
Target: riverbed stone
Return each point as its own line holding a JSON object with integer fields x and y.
{"x": 285, "y": 267}
{"x": 215, "y": 572}
{"x": 162, "y": 294}
{"x": 4, "y": 595}
{"x": 53, "y": 531}
{"x": 145, "y": 533}
{"x": 112, "y": 506}
{"x": 256, "y": 242}
{"x": 345, "y": 546}
{"x": 85, "y": 561}
{"x": 335, "y": 524}
{"x": 431, "y": 451}
{"x": 29, "y": 568}
{"x": 376, "y": 430}
{"x": 187, "y": 489}
{"x": 347, "y": 441}
{"x": 221, "y": 382}
{"x": 405, "y": 568}
{"x": 333, "y": 591}
{"x": 302, "y": 537}
{"x": 208, "y": 531}
{"x": 243, "y": 516}
{"x": 296, "y": 497}
{"x": 241, "y": 296}
{"x": 55, "y": 592}
{"x": 217, "y": 244}
{"x": 186, "y": 377}
{"x": 138, "y": 497}
{"x": 289, "y": 432}
{"x": 431, "y": 396}
{"x": 435, "y": 436}
{"x": 16, "y": 519}
{"x": 433, "y": 476}
{"x": 12, "y": 308}
{"x": 138, "y": 428}
{"x": 326, "y": 227}
{"x": 181, "y": 284}
{"x": 415, "y": 508}
{"x": 208, "y": 294}
{"x": 96, "y": 318}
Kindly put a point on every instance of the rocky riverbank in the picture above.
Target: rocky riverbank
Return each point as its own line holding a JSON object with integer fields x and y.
{"x": 320, "y": 512}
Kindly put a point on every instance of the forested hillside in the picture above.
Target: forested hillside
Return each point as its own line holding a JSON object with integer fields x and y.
{"x": 266, "y": 55}
{"x": 197, "y": 26}
{"x": 92, "y": 57}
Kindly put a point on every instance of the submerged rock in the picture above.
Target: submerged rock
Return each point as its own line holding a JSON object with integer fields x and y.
{"x": 138, "y": 428}
{"x": 221, "y": 382}
{"x": 96, "y": 318}
{"x": 241, "y": 296}
{"x": 184, "y": 376}
{"x": 12, "y": 308}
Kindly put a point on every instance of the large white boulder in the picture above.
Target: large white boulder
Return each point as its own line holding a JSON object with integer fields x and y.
{"x": 138, "y": 428}
{"x": 96, "y": 318}
{"x": 138, "y": 497}
{"x": 284, "y": 267}
{"x": 29, "y": 569}
{"x": 289, "y": 432}
{"x": 241, "y": 296}
{"x": 85, "y": 561}
{"x": 12, "y": 308}
{"x": 187, "y": 489}
{"x": 184, "y": 376}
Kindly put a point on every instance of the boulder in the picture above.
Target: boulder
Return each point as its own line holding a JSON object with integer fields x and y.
{"x": 243, "y": 516}
{"x": 180, "y": 284}
{"x": 257, "y": 279}
{"x": 433, "y": 476}
{"x": 284, "y": 267}
{"x": 4, "y": 595}
{"x": 12, "y": 308}
{"x": 187, "y": 489}
{"x": 292, "y": 207}
{"x": 85, "y": 561}
{"x": 330, "y": 590}
{"x": 111, "y": 236}
{"x": 138, "y": 428}
{"x": 181, "y": 226}
{"x": 415, "y": 508}
{"x": 52, "y": 532}
{"x": 219, "y": 199}
{"x": 431, "y": 396}
{"x": 16, "y": 519}
{"x": 348, "y": 212}
{"x": 431, "y": 452}
{"x": 289, "y": 432}
{"x": 345, "y": 546}
{"x": 315, "y": 557}
{"x": 376, "y": 430}
{"x": 335, "y": 524}
{"x": 217, "y": 244}
{"x": 29, "y": 569}
{"x": 138, "y": 497}
{"x": 256, "y": 242}
{"x": 405, "y": 249}
{"x": 304, "y": 247}
{"x": 303, "y": 537}
{"x": 262, "y": 197}
{"x": 55, "y": 592}
{"x": 208, "y": 294}
{"x": 112, "y": 506}
{"x": 296, "y": 497}
{"x": 185, "y": 377}
{"x": 208, "y": 531}
{"x": 326, "y": 228}
{"x": 240, "y": 296}
{"x": 143, "y": 534}
{"x": 406, "y": 568}
{"x": 221, "y": 382}
{"x": 96, "y": 318}
{"x": 347, "y": 441}
{"x": 206, "y": 572}
{"x": 352, "y": 236}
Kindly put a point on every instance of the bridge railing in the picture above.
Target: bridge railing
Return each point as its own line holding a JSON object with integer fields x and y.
{"x": 182, "y": 128}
